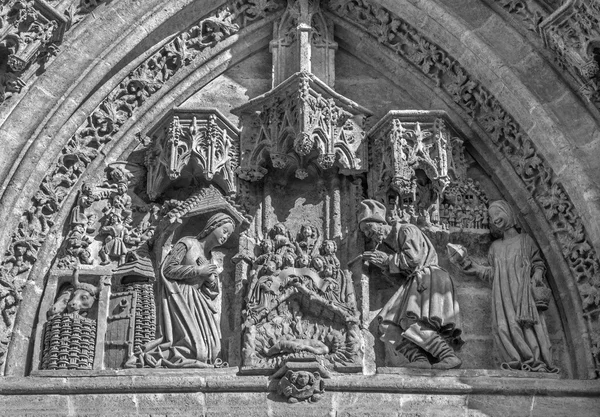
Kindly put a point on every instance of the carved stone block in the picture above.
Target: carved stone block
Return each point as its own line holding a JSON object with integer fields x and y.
{"x": 301, "y": 125}
{"x": 192, "y": 145}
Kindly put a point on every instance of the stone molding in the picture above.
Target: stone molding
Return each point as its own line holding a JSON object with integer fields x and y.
{"x": 452, "y": 382}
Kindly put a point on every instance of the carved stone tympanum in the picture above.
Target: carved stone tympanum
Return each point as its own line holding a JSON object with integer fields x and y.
{"x": 254, "y": 246}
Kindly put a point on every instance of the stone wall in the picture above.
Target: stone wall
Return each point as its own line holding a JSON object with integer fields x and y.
{"x": 450, "y": 393}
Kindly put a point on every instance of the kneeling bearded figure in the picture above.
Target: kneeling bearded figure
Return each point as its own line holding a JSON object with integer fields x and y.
{"x": 421, "y": 320}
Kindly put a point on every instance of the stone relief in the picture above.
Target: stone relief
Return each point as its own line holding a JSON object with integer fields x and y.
{"x": 301, "y": 386}
{"x": 516, "y": 271}
{"x": 193, "y": 141}
{"x": 572, "y": 33}
{"x": 423, "y": 174}
{"x": 105, "y": 224}
{"x": 569, "y": 30}
{"x": 480, "y": 105}
{"x": 69, "y": 334}
{"x": 299, "y": 299}
{"x": 299, "y": 303}
{"x": 422, "y": 320}
{"x": 188, "y": 333}
{"x": 30, "y": 37}
{"x": 300, "y": 121}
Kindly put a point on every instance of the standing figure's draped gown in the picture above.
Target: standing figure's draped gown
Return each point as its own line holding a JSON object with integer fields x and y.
{"x": 424, "y": 306}
{"x": 519, "y": 331}
{"x": 188, "y": 333}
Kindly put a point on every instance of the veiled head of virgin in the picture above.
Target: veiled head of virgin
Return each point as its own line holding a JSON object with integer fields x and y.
{"x": 218, "y": 228}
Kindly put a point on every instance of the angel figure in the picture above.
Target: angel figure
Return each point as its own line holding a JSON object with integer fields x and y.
{"x": 307, "y": 241}
{"x": 300, "y": 386}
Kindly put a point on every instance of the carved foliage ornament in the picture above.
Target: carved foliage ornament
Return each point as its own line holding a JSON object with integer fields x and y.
{"x": 573, "y": 34}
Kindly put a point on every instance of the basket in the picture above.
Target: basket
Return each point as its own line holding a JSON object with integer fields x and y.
{"x": 542, "y": 296}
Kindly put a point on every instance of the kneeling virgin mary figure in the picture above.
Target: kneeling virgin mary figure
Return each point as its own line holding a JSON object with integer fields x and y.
{"x": 188, "y": 333}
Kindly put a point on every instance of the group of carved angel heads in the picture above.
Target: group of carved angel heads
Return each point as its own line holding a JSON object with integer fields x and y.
{"x": 308, "y": 252}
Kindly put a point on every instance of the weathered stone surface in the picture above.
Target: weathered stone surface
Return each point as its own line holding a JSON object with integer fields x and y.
{"x": 292, "y": 290}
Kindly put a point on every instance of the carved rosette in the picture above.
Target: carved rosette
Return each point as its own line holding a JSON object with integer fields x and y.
{"x": 301, "y": 123}
{"x": 192, "y": 144}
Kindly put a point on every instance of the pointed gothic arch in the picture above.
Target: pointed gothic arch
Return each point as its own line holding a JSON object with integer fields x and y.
{"x": 72, "y": 108}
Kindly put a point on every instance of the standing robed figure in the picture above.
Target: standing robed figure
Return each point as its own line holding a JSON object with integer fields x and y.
{"x": 188, "y": 332}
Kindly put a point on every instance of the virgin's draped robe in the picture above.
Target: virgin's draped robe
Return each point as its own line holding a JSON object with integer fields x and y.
{"x": 521, "y": 346}
{"x": 188, "y": 333}
{"x": 424, "y": 306}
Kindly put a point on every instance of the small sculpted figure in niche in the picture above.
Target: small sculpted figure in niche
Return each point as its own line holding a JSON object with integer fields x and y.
{"x": 307, "y": 242}
{"x": 79, "y": 214}
{"x": 434, "y": 214}
{"x": 451, "y": 216}
{"x": 266, "y": 287}
{"x": 188, "y": 331}
{"x": 114, "y": 244}
{"x": 78, "y": 243}
{"x": 422, "y": 319}
{"x": 478, "y": 218}
{"x": 516, "y": 269}
{"x": 282, "y": 239}
{"x": 332, "y": 272}
{"x": 444, "y": 214}
{"x": 485, "y": 218}
{"x": 328, "y": 250}
{"x": 301, "y": 386}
